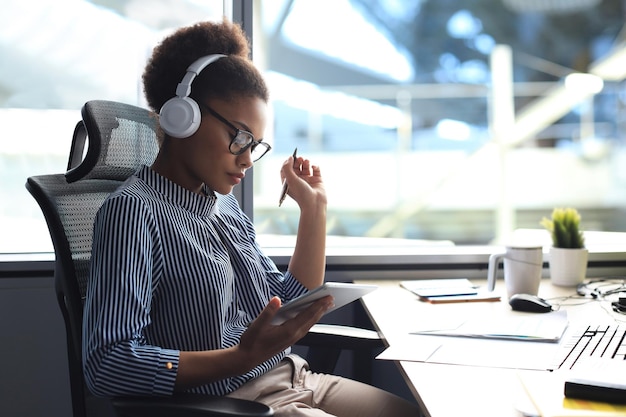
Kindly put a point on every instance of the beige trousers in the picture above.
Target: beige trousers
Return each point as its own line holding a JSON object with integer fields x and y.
{"x": 292, "y": 390}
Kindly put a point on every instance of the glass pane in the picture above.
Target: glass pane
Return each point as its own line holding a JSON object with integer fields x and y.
{"x": 446, "y": 120}
{"x": 56, "y": 55}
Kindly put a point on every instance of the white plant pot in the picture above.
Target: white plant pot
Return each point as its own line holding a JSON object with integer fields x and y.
{"x": 568, "y": 267}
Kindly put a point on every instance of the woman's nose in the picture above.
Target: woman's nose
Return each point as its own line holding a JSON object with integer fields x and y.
{"x": 245, "y": 158}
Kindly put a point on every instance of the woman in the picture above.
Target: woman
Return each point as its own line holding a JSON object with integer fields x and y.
{"x": 180, "y": 295}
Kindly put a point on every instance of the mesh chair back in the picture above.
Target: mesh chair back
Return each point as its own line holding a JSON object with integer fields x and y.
{"x": 120, "y": 139}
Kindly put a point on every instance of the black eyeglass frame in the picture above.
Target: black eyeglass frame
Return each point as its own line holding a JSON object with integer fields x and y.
{"x": 253, "y": 142}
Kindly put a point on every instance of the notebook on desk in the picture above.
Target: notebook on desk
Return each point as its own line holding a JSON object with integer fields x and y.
{"x": 455, "y": 290}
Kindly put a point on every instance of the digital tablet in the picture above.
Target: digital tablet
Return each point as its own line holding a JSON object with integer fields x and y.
{"x": 342, "y": 292}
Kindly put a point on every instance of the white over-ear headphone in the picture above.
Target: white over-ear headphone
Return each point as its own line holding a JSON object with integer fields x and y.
{"x": 180, "y": 116}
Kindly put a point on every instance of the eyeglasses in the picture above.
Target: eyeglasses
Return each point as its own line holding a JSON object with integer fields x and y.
{"x": 242, "y": 140}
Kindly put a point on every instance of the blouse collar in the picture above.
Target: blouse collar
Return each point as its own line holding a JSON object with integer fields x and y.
{"x": 203, "y": 204}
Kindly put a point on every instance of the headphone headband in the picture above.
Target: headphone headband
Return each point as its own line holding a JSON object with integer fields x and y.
{"x": 184, "y": 87}
{"x": 180, "y": 116}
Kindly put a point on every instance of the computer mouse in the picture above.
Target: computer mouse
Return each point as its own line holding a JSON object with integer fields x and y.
{"x": 529, "y": 303}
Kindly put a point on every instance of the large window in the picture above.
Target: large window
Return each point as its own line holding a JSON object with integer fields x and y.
{"x": 56, "y": 55}
{"x": 444, "y": 119}
{"x": 432, "y": 120}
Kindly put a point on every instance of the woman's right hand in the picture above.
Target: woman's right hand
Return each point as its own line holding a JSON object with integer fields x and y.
{"x": 258, "y": 343}
{"x": 262, "y": 339}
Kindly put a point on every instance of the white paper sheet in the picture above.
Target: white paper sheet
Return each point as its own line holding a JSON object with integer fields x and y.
{"x": 548, "y": 327}
{"x": 495, "y": 352}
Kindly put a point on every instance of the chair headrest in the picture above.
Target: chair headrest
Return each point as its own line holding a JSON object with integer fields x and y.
{"x": 121, "y": 138}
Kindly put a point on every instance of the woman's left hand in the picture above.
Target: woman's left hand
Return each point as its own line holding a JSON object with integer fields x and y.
{"x": 304, "y": 181}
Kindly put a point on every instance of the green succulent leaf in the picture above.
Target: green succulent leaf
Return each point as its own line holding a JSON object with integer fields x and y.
{"x": 564, "y": 228}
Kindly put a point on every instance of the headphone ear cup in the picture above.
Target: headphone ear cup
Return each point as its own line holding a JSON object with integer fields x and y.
{"x": 180, "y": 117}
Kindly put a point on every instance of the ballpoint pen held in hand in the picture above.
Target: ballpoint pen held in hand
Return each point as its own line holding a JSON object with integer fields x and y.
{"x": 283, "y": 194}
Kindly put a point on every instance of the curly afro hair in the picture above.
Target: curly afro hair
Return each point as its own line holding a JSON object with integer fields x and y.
{"x": 227, "y": 78}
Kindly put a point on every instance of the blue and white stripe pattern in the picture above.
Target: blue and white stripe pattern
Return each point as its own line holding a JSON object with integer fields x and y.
{"x": 171, "y": 270}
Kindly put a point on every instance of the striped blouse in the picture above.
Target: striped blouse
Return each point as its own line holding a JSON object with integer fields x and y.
{"x": 171, "y": 270}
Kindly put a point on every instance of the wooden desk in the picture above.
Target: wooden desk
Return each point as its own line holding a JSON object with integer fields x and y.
{"x": 455, "y": 390}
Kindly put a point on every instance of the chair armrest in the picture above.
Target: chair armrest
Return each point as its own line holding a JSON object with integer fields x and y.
{"x": 189, "y": 405}
{"x": 341, "y": 337}
{"x": 325, "y": 342}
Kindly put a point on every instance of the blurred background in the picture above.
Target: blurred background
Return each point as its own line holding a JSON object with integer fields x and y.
{"x": 431, "y": 120}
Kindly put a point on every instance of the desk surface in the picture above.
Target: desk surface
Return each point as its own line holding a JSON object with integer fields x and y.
{"x": 454, "y": 390}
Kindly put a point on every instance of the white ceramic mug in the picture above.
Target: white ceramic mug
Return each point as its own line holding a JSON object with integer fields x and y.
{"x": 522, "y": 269}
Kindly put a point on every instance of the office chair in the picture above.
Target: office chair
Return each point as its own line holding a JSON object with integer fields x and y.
{"x": 120, "y": 139}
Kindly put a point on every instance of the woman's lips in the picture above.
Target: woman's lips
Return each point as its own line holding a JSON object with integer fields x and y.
{"x": 237, "y": 177}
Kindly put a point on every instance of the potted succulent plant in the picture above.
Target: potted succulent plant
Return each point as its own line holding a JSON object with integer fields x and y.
{"x": 568, "y": 254}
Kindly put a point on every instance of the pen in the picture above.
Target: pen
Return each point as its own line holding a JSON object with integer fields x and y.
{"x": 283, "y": 194}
